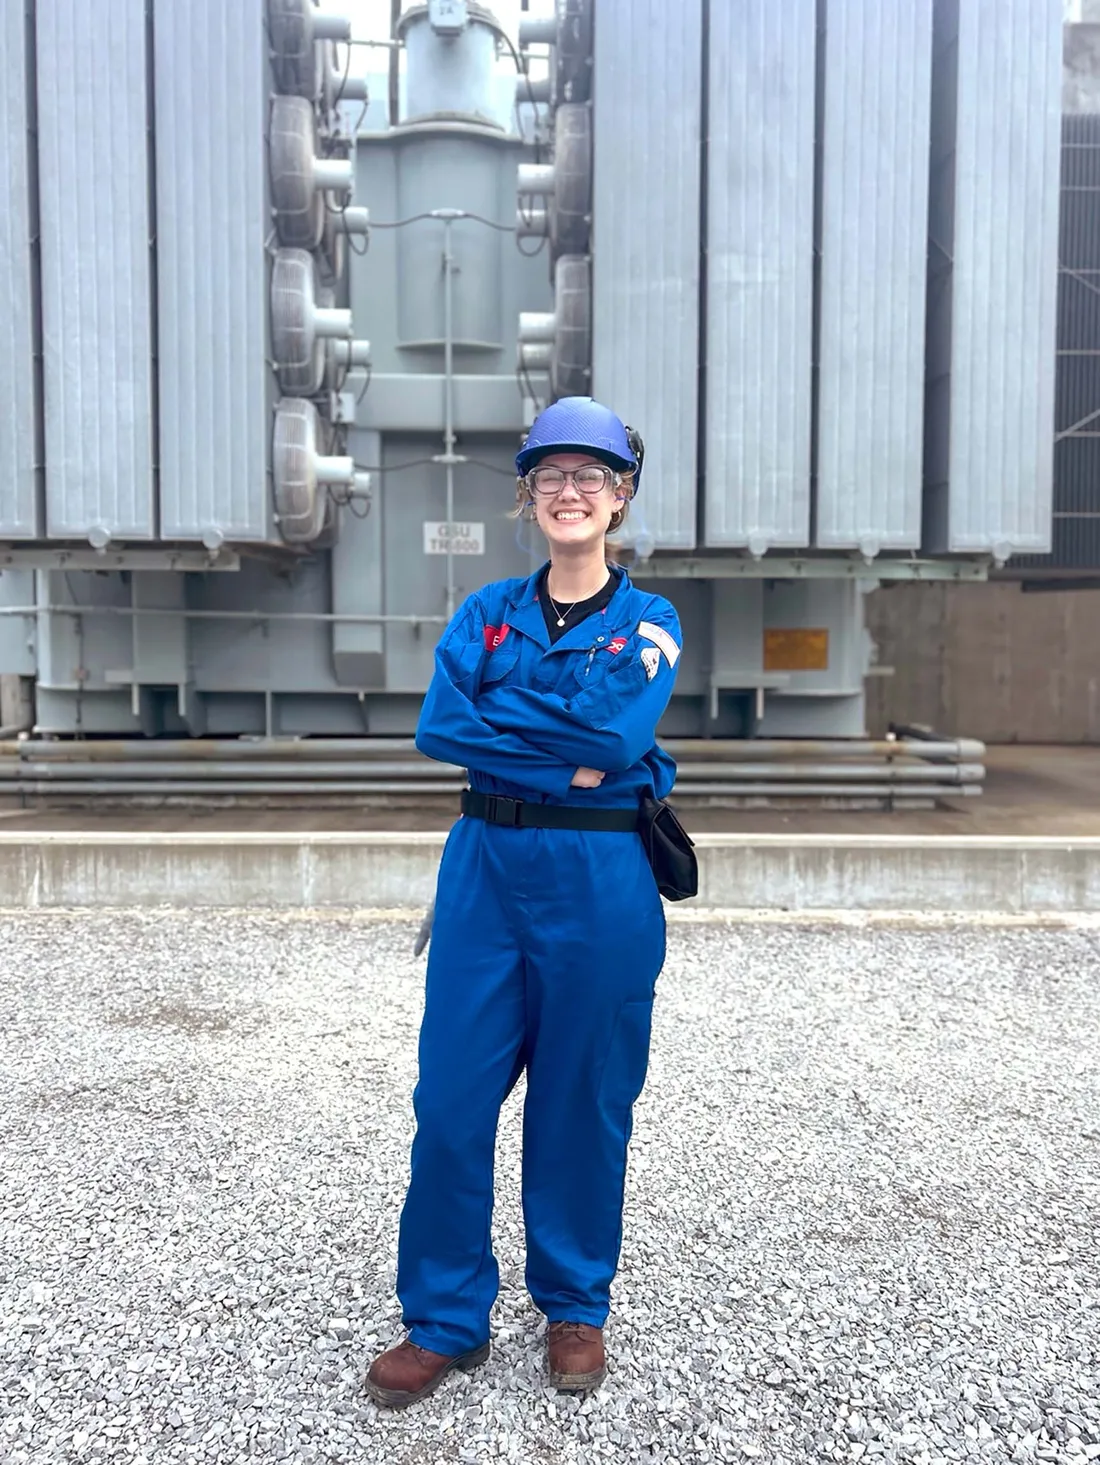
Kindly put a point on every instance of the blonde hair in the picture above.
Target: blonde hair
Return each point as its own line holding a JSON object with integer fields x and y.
{"x": 525, "y": 504}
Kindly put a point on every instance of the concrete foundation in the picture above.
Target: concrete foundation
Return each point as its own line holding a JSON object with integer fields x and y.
{"x": 385, "y": 871}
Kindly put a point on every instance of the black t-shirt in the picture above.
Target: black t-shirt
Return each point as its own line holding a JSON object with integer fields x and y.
{"x": 572, "y": 614}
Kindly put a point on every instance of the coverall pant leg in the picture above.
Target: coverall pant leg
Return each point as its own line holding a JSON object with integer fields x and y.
{"x": 594, "y": 937}
{"x": 471, "y": 1043}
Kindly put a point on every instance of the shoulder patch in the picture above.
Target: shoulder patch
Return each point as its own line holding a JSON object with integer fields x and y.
{"x": 662, "y": 639}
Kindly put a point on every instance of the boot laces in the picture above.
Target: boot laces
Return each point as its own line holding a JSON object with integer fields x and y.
{"x": 576, "y": 1328}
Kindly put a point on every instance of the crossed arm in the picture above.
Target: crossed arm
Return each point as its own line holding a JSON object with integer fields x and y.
{"x": 451, "y": 730}
{"x": 540, "y": 739}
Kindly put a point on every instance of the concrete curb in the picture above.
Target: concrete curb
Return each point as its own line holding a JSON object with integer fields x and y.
{"x": 1024, "y": 876}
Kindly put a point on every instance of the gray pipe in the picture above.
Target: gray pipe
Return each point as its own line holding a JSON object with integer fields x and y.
{"x": 688, "y": 749}
{"x": 537, "y": 90}
{"x": 968, "y": 749}
{"x": 532, "y": 224}
{"x": 245, "y": 787}
{"x": 231, "y": 787}
{"x": 833, "y": 790}
{"x": 258, "y": 616}
{"x": 535, "y": 179}
{"x": 449, "y": 405}
{"x": 538, "y": 30}
{"x": 58, "y": 770}
{"x": 838, "y": 772}
{"x": 202, "y": 750}
{"x": 352, "y": 220}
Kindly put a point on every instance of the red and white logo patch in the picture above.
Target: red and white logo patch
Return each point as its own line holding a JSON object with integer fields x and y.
{"x": 494, "y": 635}
{"x": 616, "y": 645}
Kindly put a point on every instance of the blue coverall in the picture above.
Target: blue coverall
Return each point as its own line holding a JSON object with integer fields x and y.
{"x": 545, "y": 953}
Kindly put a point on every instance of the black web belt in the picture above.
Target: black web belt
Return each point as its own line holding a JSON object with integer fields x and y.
{"x": 495, "y": 809}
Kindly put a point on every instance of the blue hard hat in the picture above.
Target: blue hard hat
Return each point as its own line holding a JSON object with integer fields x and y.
{"x": 580, "y": 425}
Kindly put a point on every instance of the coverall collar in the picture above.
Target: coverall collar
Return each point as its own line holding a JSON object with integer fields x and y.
{"x": 526, "y": 615}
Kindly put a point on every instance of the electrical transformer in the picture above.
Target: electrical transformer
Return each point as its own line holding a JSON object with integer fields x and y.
{"x": 277, "y": 328}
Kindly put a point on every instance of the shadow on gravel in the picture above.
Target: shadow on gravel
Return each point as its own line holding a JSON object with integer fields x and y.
{"x": 135, "y": 1092}
{"x": 181, "y": 1017}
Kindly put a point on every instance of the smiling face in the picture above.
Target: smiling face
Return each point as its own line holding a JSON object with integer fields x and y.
{"x": 572, "y": 519}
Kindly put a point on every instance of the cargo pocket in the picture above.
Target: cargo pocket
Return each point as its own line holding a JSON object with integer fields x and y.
{"x": 624, "y": 1072}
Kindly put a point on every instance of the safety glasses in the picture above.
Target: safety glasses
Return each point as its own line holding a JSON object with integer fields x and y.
{"x": 592, "y": 479}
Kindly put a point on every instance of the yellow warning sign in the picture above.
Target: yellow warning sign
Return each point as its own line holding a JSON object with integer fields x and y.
{"x": 796, "y": 650}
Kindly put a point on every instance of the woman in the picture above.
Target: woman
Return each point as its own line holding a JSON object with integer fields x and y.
{"x": 549, "y": 932}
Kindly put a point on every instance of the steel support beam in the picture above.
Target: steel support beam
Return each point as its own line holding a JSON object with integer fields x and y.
{"x": 789, "y": 567}
{"x": 201, "y": 560}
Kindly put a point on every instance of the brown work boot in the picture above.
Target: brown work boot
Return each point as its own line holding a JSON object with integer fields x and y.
{"x": 576, "y": 1357}
{"x": 407, "y": 1373}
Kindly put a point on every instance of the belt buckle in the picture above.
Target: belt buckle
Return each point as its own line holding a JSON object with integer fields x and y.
{"x": 503, "y": 810}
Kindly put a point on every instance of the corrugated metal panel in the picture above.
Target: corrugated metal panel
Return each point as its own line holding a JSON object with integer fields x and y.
{"x": 212, "y": 223}
{"x": 96, "y": 303}
{"x": 645, "y": 254}
{"x": 19, "y": 430}
{"x": 760, "y": 211}
{"x": 994, "y": 220}
{"x": 878, "y": 66}
{"x": 1076, "y": 542}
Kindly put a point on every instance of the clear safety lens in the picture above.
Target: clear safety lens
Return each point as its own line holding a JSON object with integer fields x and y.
{"x": 590, "y": 479}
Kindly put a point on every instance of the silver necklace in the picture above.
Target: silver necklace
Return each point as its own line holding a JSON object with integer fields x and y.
{"x": 560, "y": 613}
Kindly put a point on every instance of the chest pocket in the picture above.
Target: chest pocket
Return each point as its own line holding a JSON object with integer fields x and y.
{"x": 590, "y": 667}
{"x": 501, "y": 662}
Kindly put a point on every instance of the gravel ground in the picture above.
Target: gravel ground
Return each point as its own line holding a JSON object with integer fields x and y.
{"x": 862, "y": 1216}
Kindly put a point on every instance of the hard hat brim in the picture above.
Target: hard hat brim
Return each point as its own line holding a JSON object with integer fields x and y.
{"x": 602, "y": 455}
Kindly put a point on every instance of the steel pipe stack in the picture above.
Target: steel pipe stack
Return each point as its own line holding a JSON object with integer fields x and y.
{"x": 322, "y": 769}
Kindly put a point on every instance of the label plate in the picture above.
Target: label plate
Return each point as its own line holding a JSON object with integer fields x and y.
{"x": 796, "y": 650}
{"x": 459, "y": 537}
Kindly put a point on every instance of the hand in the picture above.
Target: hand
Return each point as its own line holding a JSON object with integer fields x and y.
{"x": 587, "y": 778}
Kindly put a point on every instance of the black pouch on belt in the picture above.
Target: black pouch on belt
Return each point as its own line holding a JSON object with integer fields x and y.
{"x": 669, "y": 849}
